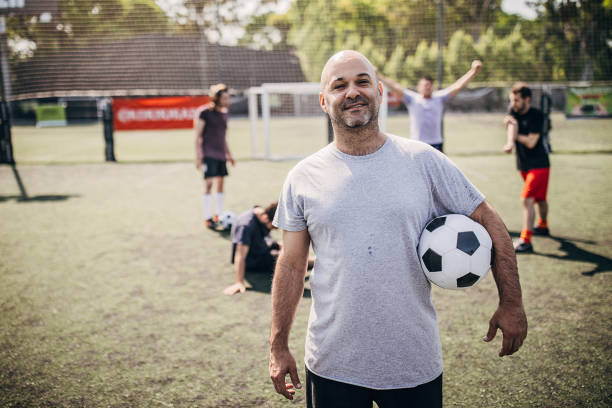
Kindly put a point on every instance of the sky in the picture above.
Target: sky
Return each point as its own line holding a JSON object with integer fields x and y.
{"x": 518, "y": 7}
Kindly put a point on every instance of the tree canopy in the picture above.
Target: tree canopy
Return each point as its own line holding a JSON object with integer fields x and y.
{"x": 569, "y": 40}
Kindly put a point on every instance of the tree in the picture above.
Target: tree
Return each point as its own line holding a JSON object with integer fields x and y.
{"x": 578, "y": 33}
{"x": 459, "y": 55}
{"x": 217, "y": 20}
{"x": 80, "y": 22}
{"x": 422, "y": 63}
{"x": 268, "y": 31}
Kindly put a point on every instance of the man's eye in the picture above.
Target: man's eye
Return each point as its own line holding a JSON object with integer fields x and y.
{"x": 339, "y": 86}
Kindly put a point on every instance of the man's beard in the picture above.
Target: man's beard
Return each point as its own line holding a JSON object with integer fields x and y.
{"x": 353, "y": 123}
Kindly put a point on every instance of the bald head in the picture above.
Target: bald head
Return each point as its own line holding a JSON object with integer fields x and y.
{"x": 331, "y": 68}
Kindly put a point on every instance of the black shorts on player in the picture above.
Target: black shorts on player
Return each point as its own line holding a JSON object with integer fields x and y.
{"x": 214, "y": 168}
{"x": 324, "y": 393}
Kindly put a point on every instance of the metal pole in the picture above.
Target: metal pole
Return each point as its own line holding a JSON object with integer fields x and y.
{"x": 440, "y": 40}
{"x": 6, "y": 142}
{"x": 109, "y": 141}
{"x": 265, "y": 115}
{"x": 253, "y": 115}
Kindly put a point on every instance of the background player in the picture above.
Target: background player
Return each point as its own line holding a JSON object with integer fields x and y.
{"x": 426, "y": 107}
{"x": 211, "y": 148}
{"x": 252, "y": 246}
{"x": 524, "y": 128}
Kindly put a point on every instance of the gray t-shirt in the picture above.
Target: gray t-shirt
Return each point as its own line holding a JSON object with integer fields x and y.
{"x": 426, "y": 115}
{"x": 372, "y": 322}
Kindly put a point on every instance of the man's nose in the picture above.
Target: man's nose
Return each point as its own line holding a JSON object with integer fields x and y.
{"x": 352, "y": 91}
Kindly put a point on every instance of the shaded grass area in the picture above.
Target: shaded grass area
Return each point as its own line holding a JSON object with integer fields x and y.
{"x": 110, "y": 294}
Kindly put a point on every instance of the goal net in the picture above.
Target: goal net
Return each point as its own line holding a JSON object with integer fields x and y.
{"x": 287, "y": 122}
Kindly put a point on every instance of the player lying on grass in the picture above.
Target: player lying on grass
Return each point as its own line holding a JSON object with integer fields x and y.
{"x": 252, "y": 247}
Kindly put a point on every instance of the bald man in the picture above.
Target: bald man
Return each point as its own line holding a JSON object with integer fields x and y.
{"x": 372, "y": 334}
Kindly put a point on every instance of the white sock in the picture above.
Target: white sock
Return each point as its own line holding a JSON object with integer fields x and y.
{"x": 220, "y": 197}
{"x": 206, "y": 205}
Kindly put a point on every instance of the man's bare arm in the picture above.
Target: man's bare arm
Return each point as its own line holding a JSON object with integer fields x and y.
{"x": 511, "y": 133}
{"x": 510, "y": 315}
{"x": 462, "y": 82}
{"x": 239, "y": 270}
{"x": 394, "y": 87}
{"x": 287, "y": 289}
{"x": 529, "y": 140}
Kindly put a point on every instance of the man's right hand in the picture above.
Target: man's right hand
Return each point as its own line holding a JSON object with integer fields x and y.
{"x": 281, "y": 364}
{"x": 477, "y": 65}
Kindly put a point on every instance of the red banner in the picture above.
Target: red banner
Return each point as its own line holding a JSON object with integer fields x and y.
{"x": 175, "y": 112}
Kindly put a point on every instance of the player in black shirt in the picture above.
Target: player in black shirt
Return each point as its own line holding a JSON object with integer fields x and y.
{"x": 252, "y": 246}
{"x": 524, "y": 129}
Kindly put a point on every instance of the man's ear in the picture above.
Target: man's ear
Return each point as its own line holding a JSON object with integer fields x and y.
{"x": 322, "y": 102}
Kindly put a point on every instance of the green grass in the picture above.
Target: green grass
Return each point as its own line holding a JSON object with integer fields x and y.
{"x": 466, "y": 134}
{"x": 110, "y": 287}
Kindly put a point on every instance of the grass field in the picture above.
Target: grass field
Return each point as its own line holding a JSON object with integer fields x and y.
{"x": 110, "y": 287}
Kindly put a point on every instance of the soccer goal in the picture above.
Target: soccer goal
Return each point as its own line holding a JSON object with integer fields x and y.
{"x": 291, "y": 124}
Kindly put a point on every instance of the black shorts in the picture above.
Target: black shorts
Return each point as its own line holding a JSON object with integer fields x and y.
{"x": 324, "y": 393}
{"x": 214, "y": 168}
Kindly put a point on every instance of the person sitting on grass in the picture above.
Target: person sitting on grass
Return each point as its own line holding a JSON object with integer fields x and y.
{"x": 252, "y": 246}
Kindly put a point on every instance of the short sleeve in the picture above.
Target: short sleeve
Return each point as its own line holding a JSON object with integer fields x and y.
{"x": 242, "y": 235}
{"x": 204, "y": 114}
{"x": 290, "y": 211}
{"x": 453, "y": 193}
{"x": 408, "y": 96}
{"x": 444, "y": 95}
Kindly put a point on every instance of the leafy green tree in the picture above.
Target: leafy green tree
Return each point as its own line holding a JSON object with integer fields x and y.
{"x": 423, "y": 62}
{"x": 216, "y": 19}
{"x": 459, "y": 55}
{"x": 509, "y": 58}
{"x": 267, "y": 31}
{"x": 81, "y": 22}
{"x": 578, "y": 34}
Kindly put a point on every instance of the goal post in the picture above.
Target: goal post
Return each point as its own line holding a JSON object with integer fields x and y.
{"x": 291, "y": 124}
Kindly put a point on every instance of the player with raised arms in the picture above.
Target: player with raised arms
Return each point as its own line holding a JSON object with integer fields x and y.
{"x": 426, "y": 107}
{"x": 373, "y": 332}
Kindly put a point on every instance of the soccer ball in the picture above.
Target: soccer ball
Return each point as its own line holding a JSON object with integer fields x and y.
{"x": 455, "y": 251}
{"x": 227, "y": 219}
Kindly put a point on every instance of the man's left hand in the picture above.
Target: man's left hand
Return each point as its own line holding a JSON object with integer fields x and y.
{"x": 513, "y": 323}
{"x": 509, "y": 120}
{"x": 477, "y": 65}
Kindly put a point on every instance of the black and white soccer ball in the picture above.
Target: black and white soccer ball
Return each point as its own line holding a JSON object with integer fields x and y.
{"x": 227, "y": 219}
{"x": 455, "y": 251}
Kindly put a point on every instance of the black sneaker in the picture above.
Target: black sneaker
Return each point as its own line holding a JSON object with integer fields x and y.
{"x": 210, "y": 223}
{"x": 521, "y": 247}
{"x": 541, "y": 231}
